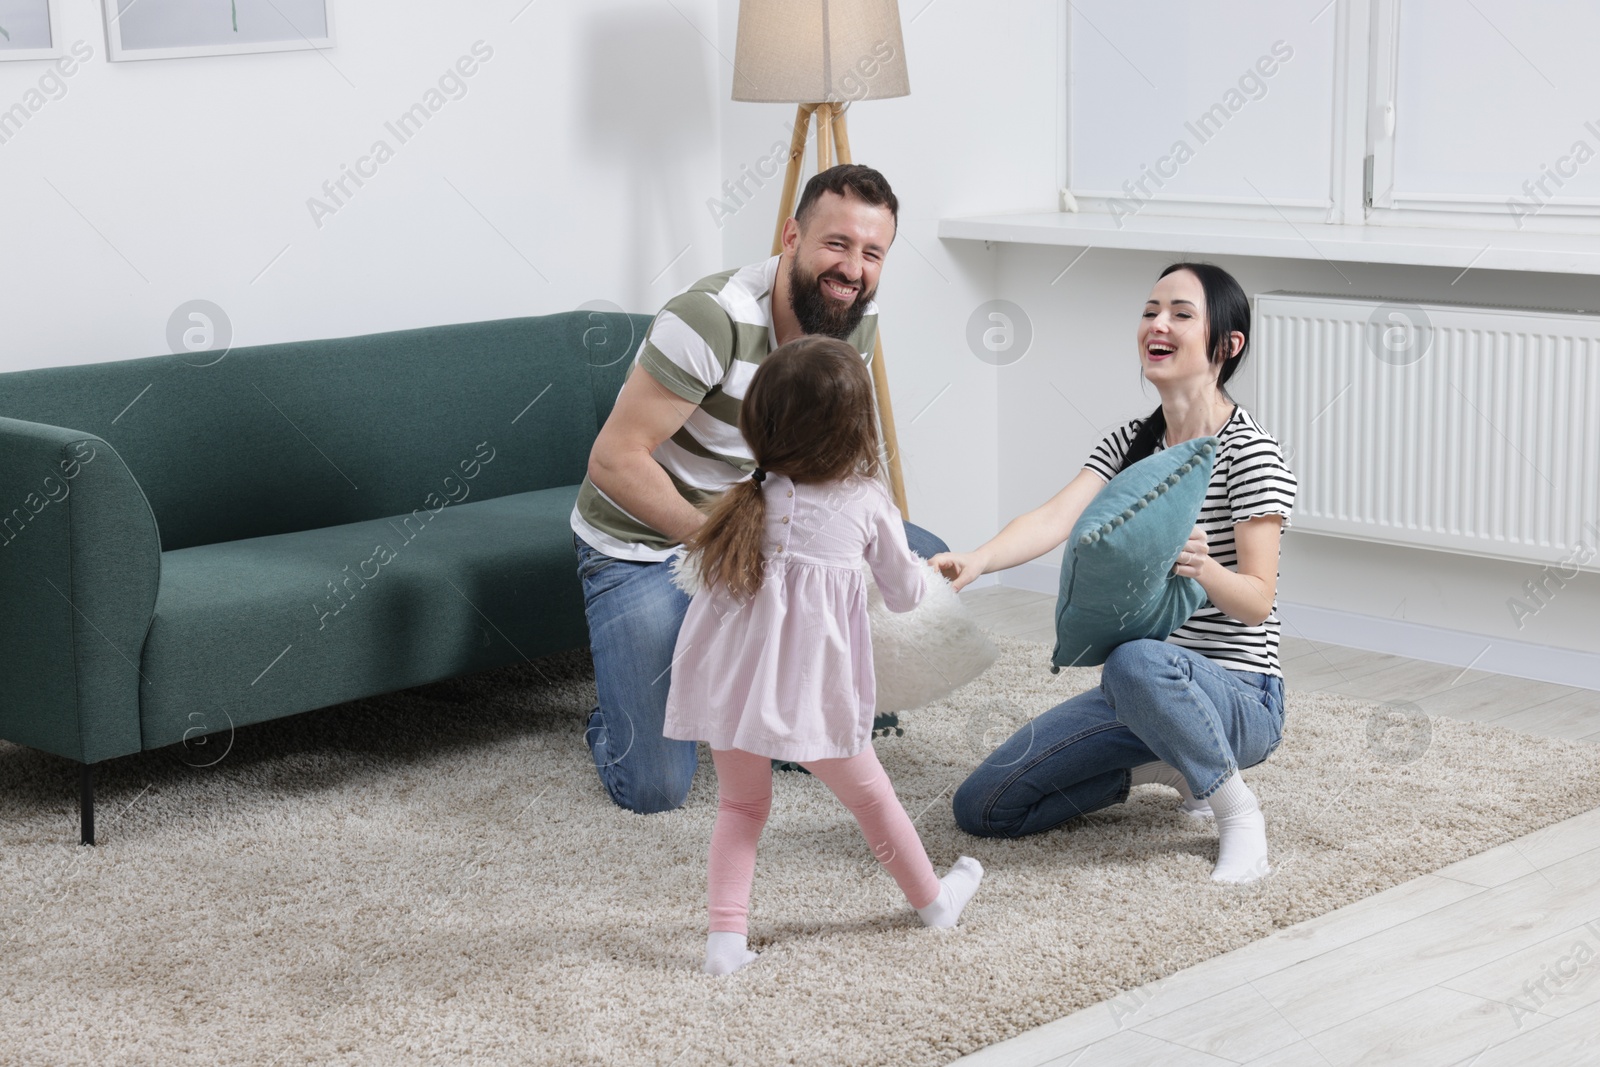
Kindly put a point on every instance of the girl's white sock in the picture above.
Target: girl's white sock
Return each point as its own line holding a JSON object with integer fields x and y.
{"x": 727, "y": 952}
{"x": 1241, "y": 833}
{"x": 955, "y": 889}
{"x": 1159, "y": 773}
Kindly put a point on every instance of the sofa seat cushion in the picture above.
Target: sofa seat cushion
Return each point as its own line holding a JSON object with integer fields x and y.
{"x": 250, "y": 630}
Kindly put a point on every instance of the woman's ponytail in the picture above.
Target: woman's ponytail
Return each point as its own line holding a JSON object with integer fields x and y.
{"x": 1145, "y": 439}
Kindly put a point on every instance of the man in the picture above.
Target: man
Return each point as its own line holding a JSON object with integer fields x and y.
{"x": 672, "y": 445}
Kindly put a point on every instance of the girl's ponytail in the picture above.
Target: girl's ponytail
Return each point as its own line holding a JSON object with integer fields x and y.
{"x": 808, "y": 416}
{"x": 729, "y": 541}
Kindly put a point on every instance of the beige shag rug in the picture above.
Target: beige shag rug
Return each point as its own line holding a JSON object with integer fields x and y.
{"x": 436, "y": 876}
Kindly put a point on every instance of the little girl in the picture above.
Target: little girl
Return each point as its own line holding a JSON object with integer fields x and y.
{"x": 774, "y": 660}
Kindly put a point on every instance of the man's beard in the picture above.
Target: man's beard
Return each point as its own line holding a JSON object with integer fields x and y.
{"x": 819, "y": 313}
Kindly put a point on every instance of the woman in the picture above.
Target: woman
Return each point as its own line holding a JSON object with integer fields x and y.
{"x": 1190, "y": 711}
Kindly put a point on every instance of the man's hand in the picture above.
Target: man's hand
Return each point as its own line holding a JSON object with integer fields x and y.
{"x": 622, "y": 467}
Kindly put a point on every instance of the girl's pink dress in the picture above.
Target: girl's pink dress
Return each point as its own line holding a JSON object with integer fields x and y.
{"x": 788, "y": 673}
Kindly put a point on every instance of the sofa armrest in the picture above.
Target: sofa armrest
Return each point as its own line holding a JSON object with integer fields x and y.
{"x": 80, "y": 562}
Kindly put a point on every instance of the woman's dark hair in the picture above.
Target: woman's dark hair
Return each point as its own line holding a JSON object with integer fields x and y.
{"x": 1227, "y": 313}
{"x": 808, "y": 415}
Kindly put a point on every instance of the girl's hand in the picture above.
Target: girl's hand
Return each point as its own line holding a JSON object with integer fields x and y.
{"x": 1195, "y": 555}
{"x": 960, "y": 567}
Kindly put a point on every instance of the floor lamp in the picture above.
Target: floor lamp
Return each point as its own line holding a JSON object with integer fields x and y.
{"x": 822, "y": 56}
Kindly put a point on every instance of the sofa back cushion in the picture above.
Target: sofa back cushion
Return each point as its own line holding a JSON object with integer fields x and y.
{"x": 279, "y": 438}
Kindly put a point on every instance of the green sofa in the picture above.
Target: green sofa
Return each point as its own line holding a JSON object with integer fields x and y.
{"x": 194, "y": 543}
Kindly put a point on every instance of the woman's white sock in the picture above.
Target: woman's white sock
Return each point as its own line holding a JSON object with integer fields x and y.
{"x": 955, "y": 889}
{"x": 727, "y": 952}
{"x": 1197, "y": 810}
{"x": 1159, "y": 773}
{"x": 1241, "y": 833}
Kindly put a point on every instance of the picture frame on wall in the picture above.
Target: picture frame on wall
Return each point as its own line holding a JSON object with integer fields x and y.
{"x": 176, "y": 29}
{"x": 30, "y": 29}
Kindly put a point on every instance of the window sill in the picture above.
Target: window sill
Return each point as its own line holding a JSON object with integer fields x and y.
{"x": 1418, "y": 246}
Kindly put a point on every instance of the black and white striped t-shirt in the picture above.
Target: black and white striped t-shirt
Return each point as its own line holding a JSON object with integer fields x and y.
{"x": 1249, "y": 479}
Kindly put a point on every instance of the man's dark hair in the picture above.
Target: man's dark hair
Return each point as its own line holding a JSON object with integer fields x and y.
{"x": 846, "y": 179}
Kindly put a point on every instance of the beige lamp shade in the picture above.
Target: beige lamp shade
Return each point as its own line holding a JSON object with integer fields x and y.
{"x": 815, "y": 51}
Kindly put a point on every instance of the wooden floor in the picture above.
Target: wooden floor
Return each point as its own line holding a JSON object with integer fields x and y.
{"x": 1491, "y": 961}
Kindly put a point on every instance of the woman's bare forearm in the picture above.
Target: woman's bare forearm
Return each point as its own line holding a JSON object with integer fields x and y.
{"x": 1032, "y": 534}
{"x": 1238, "y": 596}
{"x": 1024, "y": 538}
{"x": 1245, "y": 592}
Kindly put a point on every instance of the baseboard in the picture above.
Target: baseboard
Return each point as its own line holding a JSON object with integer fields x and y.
{"x": 1436, "y": 644}
{"x": 1458, "y": 648}
{"x": 1034, "y": 577}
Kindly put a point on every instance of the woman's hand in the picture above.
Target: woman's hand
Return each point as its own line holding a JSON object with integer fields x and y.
{"x": 960, "y": 567}
{"x": 1195, "y": 557}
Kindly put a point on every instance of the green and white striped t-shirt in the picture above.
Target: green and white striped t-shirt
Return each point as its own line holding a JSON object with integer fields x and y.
{"x": 704, "y": 346}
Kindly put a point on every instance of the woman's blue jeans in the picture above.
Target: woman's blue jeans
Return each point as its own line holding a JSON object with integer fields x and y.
{"x": 634, "y": 614}
{"x": 1156, "y": 701}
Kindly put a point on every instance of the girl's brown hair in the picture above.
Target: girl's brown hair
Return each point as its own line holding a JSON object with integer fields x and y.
{"x": 808, "y": 416}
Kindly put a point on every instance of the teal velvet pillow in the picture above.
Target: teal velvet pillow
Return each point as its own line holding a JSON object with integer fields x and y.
{"x": 1117, "y": 583}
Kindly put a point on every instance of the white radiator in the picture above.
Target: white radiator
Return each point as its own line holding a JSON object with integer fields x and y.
{"x": 1469, "y": 429}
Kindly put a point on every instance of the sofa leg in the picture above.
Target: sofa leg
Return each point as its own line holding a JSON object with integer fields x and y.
{"x": 86, "y": 805}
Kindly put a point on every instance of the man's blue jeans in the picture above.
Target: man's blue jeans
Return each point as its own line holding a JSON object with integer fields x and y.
{"x": 634, "y": 614}
{"x": 1156, "y": 701}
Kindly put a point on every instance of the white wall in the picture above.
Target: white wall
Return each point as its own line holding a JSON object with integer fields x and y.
{"x": 583, "y": 141}
{"x": 592, "y": 141}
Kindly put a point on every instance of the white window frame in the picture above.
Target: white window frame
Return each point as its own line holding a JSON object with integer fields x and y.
{"x": 1467, "y": 211}
{"x": 54, "y": 50}
{"x": 1361, "y": 162}
{"x": 1344, "y": 202}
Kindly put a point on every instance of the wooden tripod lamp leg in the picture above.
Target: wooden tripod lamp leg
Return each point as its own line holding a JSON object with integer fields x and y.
{"x": 791, "y": 177}
{"x": 880, "y": 372}
{"x": 825, "y": 115}
{"x": 841, "y": 135}
{"x": 891, "y": 443}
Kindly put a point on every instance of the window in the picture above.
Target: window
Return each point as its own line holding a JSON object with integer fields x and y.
{"x": 1487, "y": 110}
{"x": 1468, "y": 114}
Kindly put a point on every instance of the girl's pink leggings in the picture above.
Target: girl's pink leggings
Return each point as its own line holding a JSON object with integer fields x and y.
{"x": 744, "y": 798}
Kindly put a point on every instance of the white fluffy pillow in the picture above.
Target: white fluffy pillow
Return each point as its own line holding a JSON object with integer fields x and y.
{"x": 921, "y": 655}
{"x": 927, "y": 653}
